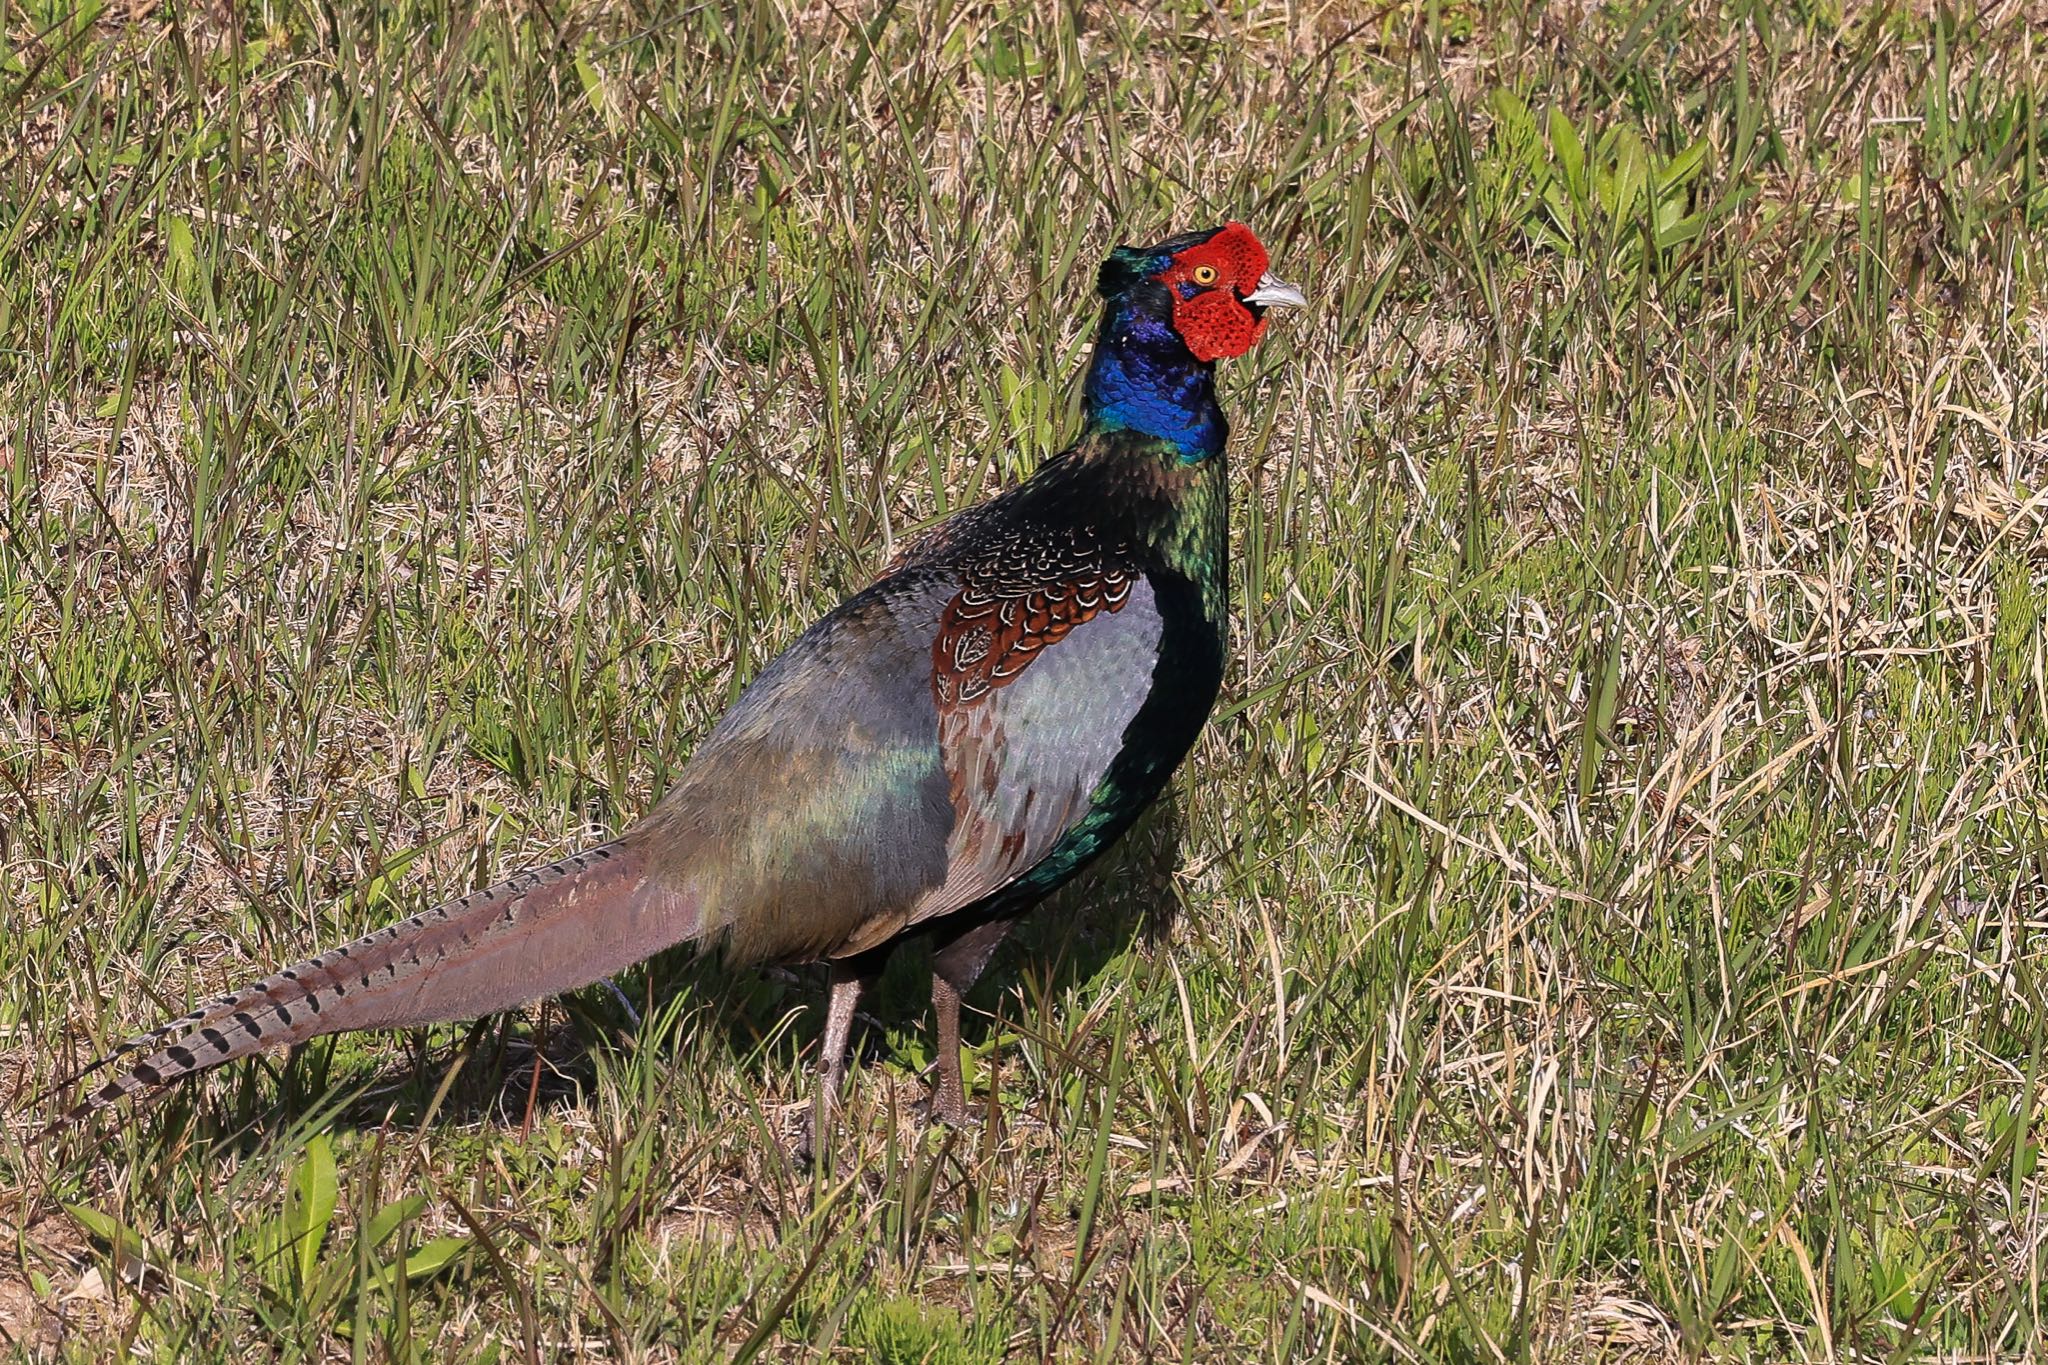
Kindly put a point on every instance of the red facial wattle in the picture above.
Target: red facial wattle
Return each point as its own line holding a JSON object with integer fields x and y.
{"x": 1207, "y": 283}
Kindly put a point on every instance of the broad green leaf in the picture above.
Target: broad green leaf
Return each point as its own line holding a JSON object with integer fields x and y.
{"x": 127, "y": 1245}
{"x": 100, "y": 1225}
{"x": 180, "y": 255}
{"x": 592, "y": 81}
{"x": 1516, "y": 122}
{"x": 425, "y": 1260}
{"x": 386, "y": 1220}
{"x": 435, "y": 1255}
{"x": 309, "y": 1206}
{"x": 1631, "y": 176}
{"x": 1571, "y": 155}
{"x": 1682, "y": 167}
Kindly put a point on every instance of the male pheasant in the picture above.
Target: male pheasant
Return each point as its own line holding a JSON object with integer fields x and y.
{"x": 934, "y": 756}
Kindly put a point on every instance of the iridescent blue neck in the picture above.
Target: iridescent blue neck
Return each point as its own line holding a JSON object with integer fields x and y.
{"x": 1143, "y": 379}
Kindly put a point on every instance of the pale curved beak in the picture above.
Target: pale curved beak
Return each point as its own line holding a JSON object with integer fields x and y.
{"x": 1276, "y": 292}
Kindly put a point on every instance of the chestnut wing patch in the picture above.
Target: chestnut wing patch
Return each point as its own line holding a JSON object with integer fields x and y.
{"x": 1026, "y": 735}
{"x": 991, "y": 631}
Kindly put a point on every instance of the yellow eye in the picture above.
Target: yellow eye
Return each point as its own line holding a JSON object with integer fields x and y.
{"x": 1205, "y": 274}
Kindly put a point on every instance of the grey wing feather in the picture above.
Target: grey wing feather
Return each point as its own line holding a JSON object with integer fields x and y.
{"x": 820, "y": 801}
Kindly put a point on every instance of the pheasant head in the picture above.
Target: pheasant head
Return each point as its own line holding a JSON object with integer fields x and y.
{"x": 1170, "y": 312}
{"x": 1213, "y": 287}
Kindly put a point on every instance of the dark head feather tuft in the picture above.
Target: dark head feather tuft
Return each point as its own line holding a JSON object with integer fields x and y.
{"x": 1129, "y": 265}
{"x": 1126, "y": 266}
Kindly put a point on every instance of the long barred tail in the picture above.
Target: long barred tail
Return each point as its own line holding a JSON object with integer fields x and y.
{"x": 534, "y": 935}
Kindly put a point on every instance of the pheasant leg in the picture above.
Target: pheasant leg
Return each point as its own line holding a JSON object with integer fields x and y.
{"x": 956, "y": 965}
{"x": 850, "y": 981}
{"x": 949, "y": 1096}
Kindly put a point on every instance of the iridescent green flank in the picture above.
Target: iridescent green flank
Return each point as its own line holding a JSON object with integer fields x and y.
{"x": 1196, "y": 540}
{"x": 1178, "y": 507}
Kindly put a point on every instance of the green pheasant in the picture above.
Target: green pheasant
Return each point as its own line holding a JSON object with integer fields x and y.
{"x": 933, "y": 757}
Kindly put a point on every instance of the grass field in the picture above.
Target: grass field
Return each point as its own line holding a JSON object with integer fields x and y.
{"x": 1604, "y": 920}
